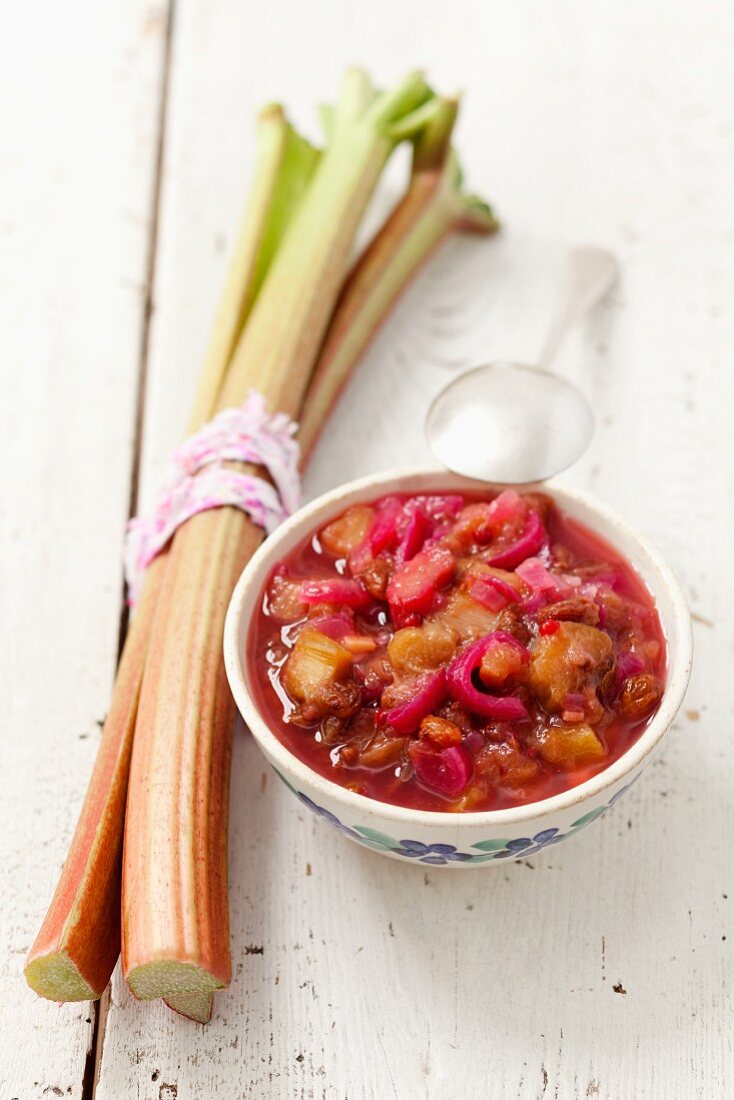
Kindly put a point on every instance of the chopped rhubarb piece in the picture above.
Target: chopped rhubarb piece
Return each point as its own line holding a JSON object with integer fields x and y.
{"x": 473, "y": 741}
{"x": 465, "y": 617}
{"x": 345, "y": 534}
{"x": 336, "y": 590}
{"x": 426, "y": 695}
{"x": 506, "y": 508}
{"x": 528, "y": 544}
{"x": 574, "y": 707}
{"x": 334, "y": 626}
{"x": 447, "y": 771}
{"x": 361, "y": 558}
{"x": 534, "y": 573}
{"x": 413, "y": 537}
{"x": 413, "y": 587}
{"x": 383, "y": 533}
{"x": 461, "y": 686}
{"x": 508, "y": 585}
{"x": 284, "y": 600}
{"x": 628, "y": 664}
{"x": 442, "y": 506}
{"x": 315, "y": 660}
{"x": 488, "y": 595}
{"x": 359, "y": 644}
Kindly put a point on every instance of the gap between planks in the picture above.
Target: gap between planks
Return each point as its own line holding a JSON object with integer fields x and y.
{"x": 100, "y": 1009}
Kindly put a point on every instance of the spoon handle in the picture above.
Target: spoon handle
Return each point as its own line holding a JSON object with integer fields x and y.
{"x": 591, "y": 273}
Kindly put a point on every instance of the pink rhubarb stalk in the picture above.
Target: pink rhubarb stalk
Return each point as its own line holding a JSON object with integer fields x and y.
{"x": 79, "y": 942}
{"x": 175, "y": 929}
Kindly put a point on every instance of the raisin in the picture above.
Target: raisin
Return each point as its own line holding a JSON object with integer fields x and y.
{"x": 383, "y": 750}
{"x": 376, "y": 576}
{"x": 304, "y": 714}
{"x": 574, "y": 609}
{"x": 440, "y": 731}
{"x": 561, "y": 556}
{"x": 348, "y": 754}
{"x": 455, "y": 714}
{"x": 640, "y": 695}
{"x": 505, "y": 763}
{"x": 340, "y": 699}
{"x": 510, "y": 620}
{"x": 332, "y": 729}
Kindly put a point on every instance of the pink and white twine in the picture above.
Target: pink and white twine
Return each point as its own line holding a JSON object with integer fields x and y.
{"x": 197, "y": 480}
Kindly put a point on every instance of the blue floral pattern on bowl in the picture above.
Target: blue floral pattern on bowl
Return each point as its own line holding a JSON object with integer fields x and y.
{"x": 442, "y": 854}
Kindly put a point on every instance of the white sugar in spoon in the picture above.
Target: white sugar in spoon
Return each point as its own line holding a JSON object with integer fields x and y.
{"x": 515, "y": 423}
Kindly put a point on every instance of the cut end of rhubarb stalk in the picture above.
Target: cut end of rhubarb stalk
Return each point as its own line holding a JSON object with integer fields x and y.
{"x": 170, "y": 978}
{"x": 194, "y": 1006}
{"x": 55, "y": 977}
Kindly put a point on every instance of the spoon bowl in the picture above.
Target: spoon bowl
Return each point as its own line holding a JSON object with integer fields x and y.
{"x": 513, "y": 423}
{"x": 510, "y": 423}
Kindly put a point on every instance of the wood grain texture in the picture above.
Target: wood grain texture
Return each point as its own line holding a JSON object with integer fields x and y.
{"x": 76, "y": 166}
{"x": 602, "y": 968}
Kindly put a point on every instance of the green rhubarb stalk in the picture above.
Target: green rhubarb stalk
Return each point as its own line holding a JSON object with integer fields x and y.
{"x": 289, "y": 320}
{"x": 284, "y": 165}
{"x": 175, "y": 921}
{"x": 433, "y": 206}
{"x": 78, "y": 944}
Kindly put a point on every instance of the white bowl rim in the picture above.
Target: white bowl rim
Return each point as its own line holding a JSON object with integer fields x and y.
{"x": 675, "y": 688}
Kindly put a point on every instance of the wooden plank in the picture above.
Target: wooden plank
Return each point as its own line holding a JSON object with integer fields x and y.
{"x": 598, "y": 969}
{"x": 76, "y": 162}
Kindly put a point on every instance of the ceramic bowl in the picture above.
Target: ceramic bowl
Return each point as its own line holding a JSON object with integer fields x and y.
{"x": 449, "y": 839}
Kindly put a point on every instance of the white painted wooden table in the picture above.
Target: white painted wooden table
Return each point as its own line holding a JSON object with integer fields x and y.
{"x": 602, "y": 969}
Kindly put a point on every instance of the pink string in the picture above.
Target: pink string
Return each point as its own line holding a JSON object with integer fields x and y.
{"x": 196, "y": 480}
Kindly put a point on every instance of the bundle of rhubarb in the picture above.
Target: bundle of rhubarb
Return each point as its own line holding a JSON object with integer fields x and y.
{"x": 146, "y": 874}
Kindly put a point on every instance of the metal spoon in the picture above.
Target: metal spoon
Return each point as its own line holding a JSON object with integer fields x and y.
{"x": 515, "y": 423}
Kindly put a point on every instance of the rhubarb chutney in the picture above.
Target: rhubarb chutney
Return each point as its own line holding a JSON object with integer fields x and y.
{"x": 457, "y": 652}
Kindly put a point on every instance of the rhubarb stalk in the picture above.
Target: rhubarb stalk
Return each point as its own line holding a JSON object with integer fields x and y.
{"x": 78, "y": 944}
{"x": 431, "y": 208}
{"x": 284, "y": 165}
{"x": 175, "y": 923}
